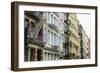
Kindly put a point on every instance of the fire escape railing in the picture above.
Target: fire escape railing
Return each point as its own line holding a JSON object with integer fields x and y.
{"x": 37, "y": 28}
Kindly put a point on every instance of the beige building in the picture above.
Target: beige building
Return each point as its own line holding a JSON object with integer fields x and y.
{"x": 73, "y": 37}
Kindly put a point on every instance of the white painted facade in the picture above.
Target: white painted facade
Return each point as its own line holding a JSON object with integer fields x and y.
{"x": 52, "y": 37}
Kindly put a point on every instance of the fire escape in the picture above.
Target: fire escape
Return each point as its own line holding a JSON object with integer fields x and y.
{"x": 36, "y": 36}
{"x": 38, "y": 16}
{"x": 67, "y": 43}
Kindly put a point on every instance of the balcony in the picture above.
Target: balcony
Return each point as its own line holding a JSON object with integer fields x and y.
{"x": 55, "y": 46}
{"x": 75, "y": 41}
{"x": 53, "y": 27}
{"x": 74, "y": 32}
{"x": 39, "y": 38}
{"x": 68, "y": 33}
{"x": 36, "y": 41}
{"x": 67, "y": 22}
{"x": 33, "y": 15}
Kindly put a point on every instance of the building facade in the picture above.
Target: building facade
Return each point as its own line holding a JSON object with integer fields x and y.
{"x": 53, "y": 30}
{"x": 86, "y": 46}
{"x": 33, "y": 22}
{"x": 73, "y": 37}
{"x": 49, "y": 41}
{"x": 53, "y": 36}
{"x": 84, "y": 43}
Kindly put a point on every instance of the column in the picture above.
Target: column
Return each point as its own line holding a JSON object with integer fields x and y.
{"x": 29, "y": 54}
{"x": 35, "y": 54}
{"x": 54, "y": 57}
{"x": 50, "y": 38}
{"x": 50, "y": 56}
{"x": 45, "y": 56}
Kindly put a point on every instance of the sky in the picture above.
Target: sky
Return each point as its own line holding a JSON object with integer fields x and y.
{"x": 85, "y": 21}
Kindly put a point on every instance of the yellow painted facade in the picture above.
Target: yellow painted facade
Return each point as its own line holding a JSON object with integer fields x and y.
{"x": 74, "y": 40}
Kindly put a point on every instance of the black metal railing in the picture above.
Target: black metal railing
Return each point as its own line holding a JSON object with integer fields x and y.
{"x": 39, "y": 38}
{"x": 68, "y": 22}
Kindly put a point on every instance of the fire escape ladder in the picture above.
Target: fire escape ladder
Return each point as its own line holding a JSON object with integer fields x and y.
{"x": 37, "y": 28}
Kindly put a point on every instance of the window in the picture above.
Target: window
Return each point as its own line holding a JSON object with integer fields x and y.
{"x": 57, "y": 40}
{"x": 26, "y": 22}
{"x": 54, "y": 39}
{"x": 55, "y": 21}
{"x": 47, "y": 17}
{"x": 51, "y": 38}
{"x": 48, "y": 36}
{"x": 52, "y": 19}
{"x": 45, "y": 34}
{"x": 60, "y": 42}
